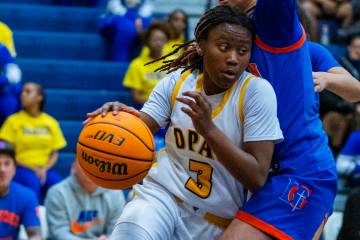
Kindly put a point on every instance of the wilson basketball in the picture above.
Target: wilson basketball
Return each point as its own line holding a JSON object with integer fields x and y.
{"x": 115, "y": 151}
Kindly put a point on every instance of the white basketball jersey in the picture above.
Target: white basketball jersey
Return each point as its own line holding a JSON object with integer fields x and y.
{"x": 188, "y": 167}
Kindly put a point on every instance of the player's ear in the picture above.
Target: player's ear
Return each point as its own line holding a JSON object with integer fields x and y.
{"x": 199, "y": 49}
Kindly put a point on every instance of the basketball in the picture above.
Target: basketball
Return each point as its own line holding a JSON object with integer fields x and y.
{"x": 115, "y": 152}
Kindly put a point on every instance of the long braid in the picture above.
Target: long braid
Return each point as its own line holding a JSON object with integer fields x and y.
{"x": 190, "y": 59}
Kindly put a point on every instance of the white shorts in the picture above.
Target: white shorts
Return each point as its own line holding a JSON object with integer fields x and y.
{"x": 155, "y": 214}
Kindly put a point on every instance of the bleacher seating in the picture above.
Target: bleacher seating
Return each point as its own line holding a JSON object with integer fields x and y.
{"x": 59, "y": 47}
{"x": 49, "y": 18}
{"x": 83, "y": 74}
{"x": 65, "y": 104}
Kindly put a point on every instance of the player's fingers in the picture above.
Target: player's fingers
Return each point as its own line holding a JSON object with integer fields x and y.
{"x": 318, "y": 88}
{"x": 316, "y": 74}
{"x": 187, "y": 111}
{"x": 116, "y": 106}
{"x": 106, "y": 107}
{"x": 191, "y": 103}
{"x": 130, "y": 110}
{"x": 94, "y": 113}
{"x": 198, "y": 97}
{"x": 86, "y": 121}
{"x": 316, "y": 81}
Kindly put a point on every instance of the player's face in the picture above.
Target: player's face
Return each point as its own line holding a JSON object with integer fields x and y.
{"x": 235, "y": 3}
{"x": 30, "y": 95}
{"x": 7, "y": 170}
{"x": 226, "y": 54}
{"x": 157, "y": 40}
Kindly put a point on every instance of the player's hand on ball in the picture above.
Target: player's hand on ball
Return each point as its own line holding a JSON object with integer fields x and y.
{"x": 199, "y": 111}
{"x": 115, "y": 107}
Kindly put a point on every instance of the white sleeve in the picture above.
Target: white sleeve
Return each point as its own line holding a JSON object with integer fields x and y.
{"x": 158, "y": 105}
{"x": 260, "y": 113}
{"x": 345, "y": 164}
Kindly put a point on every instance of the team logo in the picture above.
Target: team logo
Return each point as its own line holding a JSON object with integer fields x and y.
{"x": 296, "y": 195}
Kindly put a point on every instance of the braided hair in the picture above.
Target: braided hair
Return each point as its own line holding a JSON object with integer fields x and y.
{"x": 190, "y": 59}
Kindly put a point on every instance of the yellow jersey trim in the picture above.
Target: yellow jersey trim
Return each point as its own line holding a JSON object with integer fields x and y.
{"x": 177, "y": 88}
{"x": 220, "y": 107}
{"x": 242, "y": 97}
{"x": 211, "y": 218}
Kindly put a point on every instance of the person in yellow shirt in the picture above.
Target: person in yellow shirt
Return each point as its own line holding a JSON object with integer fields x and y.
{"x": 6, "y": 38}
{"x": 178, "y": 24}
{"x": 36, "y": 137}
{"x": 142, "y": 79}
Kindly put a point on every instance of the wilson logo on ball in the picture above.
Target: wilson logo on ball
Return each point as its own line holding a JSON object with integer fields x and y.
{"x": 108, "y": 137}
{"x": 105, "y": 166}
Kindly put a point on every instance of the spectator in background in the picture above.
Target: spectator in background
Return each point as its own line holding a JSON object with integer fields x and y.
{"x": 348, "y": 162}
{"x": 142, "y": 79}
{"x": 178, "y": 26}
{"x": 123, "y": 26}
{"x": 6, "y": 38}
{"x": 350, "y": 229}
{"x": 17, "y": 203}
{"x": 10, "y": 84}
{"x": 78, "y": 209}
{"x": 37, "y": 138}
{"x": 352, "y": 60}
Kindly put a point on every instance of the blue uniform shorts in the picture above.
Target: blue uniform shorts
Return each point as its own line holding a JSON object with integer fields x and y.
{"x": 290, "y": 206}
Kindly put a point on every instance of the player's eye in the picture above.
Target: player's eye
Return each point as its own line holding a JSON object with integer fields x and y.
{"x": 223, "y": 47}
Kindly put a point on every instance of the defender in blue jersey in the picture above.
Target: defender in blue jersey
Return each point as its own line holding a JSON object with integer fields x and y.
{"x": 299, "y": 193}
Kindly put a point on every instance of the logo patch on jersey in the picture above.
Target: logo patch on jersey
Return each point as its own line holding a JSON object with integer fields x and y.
{"x": 252, "y": 68}
{"x": 86, "y": 219}
{"x": 295, "y": 195}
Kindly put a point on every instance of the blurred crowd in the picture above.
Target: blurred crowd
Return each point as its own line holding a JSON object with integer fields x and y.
{"x": 136, "y": 36}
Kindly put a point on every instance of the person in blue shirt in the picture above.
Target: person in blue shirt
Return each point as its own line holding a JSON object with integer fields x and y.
{"x": 10, "y": 85}
{"x": 123, "y": 30}
{"x": 17, "y": 203}
{"x": 348, "y": 161}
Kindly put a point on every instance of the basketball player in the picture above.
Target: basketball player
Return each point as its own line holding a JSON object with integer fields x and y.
{"x": 217, "y": 113}
{"x": 299, "y": 193}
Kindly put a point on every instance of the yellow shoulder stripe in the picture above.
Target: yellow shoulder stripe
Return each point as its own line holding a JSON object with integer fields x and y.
{"x": 177, "y": 88}
{"x": 220, "y": 107}
{"x": 242, "y": 97}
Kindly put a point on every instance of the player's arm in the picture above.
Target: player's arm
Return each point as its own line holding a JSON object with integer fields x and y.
{"x": 249, "y": 165}
{"x": 339, "y": 81}
{"x": 33, "y": 233}
{"x": 330, "y": 75}
{"x": 277, "y": 24}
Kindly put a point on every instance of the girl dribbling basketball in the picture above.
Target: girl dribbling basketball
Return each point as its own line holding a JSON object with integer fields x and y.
{"x": 217, "y": 113}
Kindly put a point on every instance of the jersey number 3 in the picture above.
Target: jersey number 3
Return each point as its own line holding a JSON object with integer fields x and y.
{"x": 202, "y": 187}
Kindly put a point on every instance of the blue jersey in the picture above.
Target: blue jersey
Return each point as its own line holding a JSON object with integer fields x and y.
{"x": 17, "y": 207}
{"x": 321, "y": 61}
{"x": 352, "y": 145}
{"x": 281, "y": 55}
{"x": 321, "y": 58}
